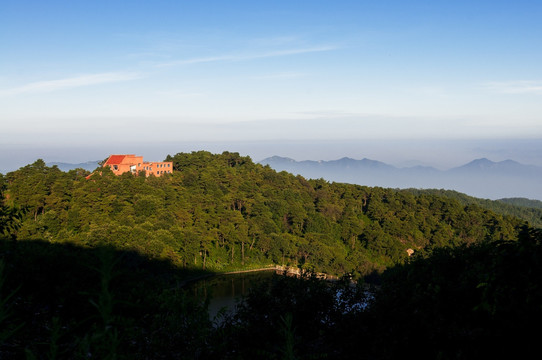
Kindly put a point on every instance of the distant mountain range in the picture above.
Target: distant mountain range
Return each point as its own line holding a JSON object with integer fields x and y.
{"x": 89, "y": 165}
{"x": 481, "y": 178}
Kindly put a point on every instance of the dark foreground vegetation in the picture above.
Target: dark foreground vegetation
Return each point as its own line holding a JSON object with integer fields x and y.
{"x": 93, "y": 269}
{"x": 66, "y": 302}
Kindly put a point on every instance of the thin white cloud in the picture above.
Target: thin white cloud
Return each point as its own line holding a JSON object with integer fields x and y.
{"x": 281, "y": 75}
{"x": 246, "y": 57}
{"x": 147, "y": 55}
{"x": 516, "y": 87}
{"x": 73, "y": 82}
{"x": 179, "y": 94}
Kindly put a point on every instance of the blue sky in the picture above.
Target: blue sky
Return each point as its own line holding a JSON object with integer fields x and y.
{"x": 82, "y": 78}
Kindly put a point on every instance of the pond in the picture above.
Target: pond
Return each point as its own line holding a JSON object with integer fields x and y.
{"x": 225, "y": 291}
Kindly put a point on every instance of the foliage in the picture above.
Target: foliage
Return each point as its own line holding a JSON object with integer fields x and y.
{"x": 477, "y": 301}
{"x": 98, "y": 264}
{"x": 61, "y": 301}
{"x": 64, "y": 302}
{"x": 480, "y": 301}
{"x": 223, "y": 212}
{"x": 523, "y": 202}
{"x": 10, "y": 216}
{"x": 528, "y": 210}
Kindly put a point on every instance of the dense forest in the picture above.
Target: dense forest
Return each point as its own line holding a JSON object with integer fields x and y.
{"x": 523, "y": 202}
{"x": 529, "y": 210}
{"x": 222, "y": 212}
{"x": 91, "y": 268}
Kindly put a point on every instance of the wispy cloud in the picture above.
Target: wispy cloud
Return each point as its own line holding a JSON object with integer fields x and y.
{"x": 281, "y": 75}
{"x": 516, "y": 87}
{"x": 179, "y": 94}
{"x": 276, "y": 41}
{"x": 246, "y": 57}
{"x": 73, "y": 82}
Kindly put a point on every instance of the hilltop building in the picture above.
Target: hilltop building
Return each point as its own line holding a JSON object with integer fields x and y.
{"x": 120, "y": 164}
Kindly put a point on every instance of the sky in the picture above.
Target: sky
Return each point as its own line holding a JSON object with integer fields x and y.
{"x": 433, "y": 82}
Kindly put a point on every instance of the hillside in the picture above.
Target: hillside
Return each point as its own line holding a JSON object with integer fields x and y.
{"x": 523, "y": 202}
{"x": 222, "y": 212}
{"x": 528, "y": 210}
{"x": 94, "y": 268}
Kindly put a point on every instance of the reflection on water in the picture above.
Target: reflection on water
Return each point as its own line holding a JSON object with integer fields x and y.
{"x": 224, "y": 291}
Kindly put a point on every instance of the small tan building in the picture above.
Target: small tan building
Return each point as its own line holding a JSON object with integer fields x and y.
{"x": 120, "y": 164}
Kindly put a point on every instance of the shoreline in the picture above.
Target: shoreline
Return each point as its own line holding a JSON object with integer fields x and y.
{"x": 283, "y": 270}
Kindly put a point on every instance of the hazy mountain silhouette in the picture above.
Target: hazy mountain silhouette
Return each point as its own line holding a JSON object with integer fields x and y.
{"x": 89, "y": 165}
{"x": 506, "y": 167}
{"x": 481, "y": 177}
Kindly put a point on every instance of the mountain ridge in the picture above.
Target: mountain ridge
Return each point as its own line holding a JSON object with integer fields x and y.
{"x": 481, "y": 177}
{"x": 89, "y": 165}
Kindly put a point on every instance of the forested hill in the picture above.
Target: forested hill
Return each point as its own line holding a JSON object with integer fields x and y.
{"x": 523, "y": 202}
{"x": 222, "y": 212}
{"x": 528, "y": 210}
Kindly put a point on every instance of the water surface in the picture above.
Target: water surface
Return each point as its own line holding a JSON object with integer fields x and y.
{"x": 225, "y": 291}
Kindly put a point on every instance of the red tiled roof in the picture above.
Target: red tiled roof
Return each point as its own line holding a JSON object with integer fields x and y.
{"x": 115, "y": 159}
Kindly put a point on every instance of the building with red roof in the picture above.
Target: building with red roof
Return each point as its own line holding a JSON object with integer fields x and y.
{"x": 120, "y": 164}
